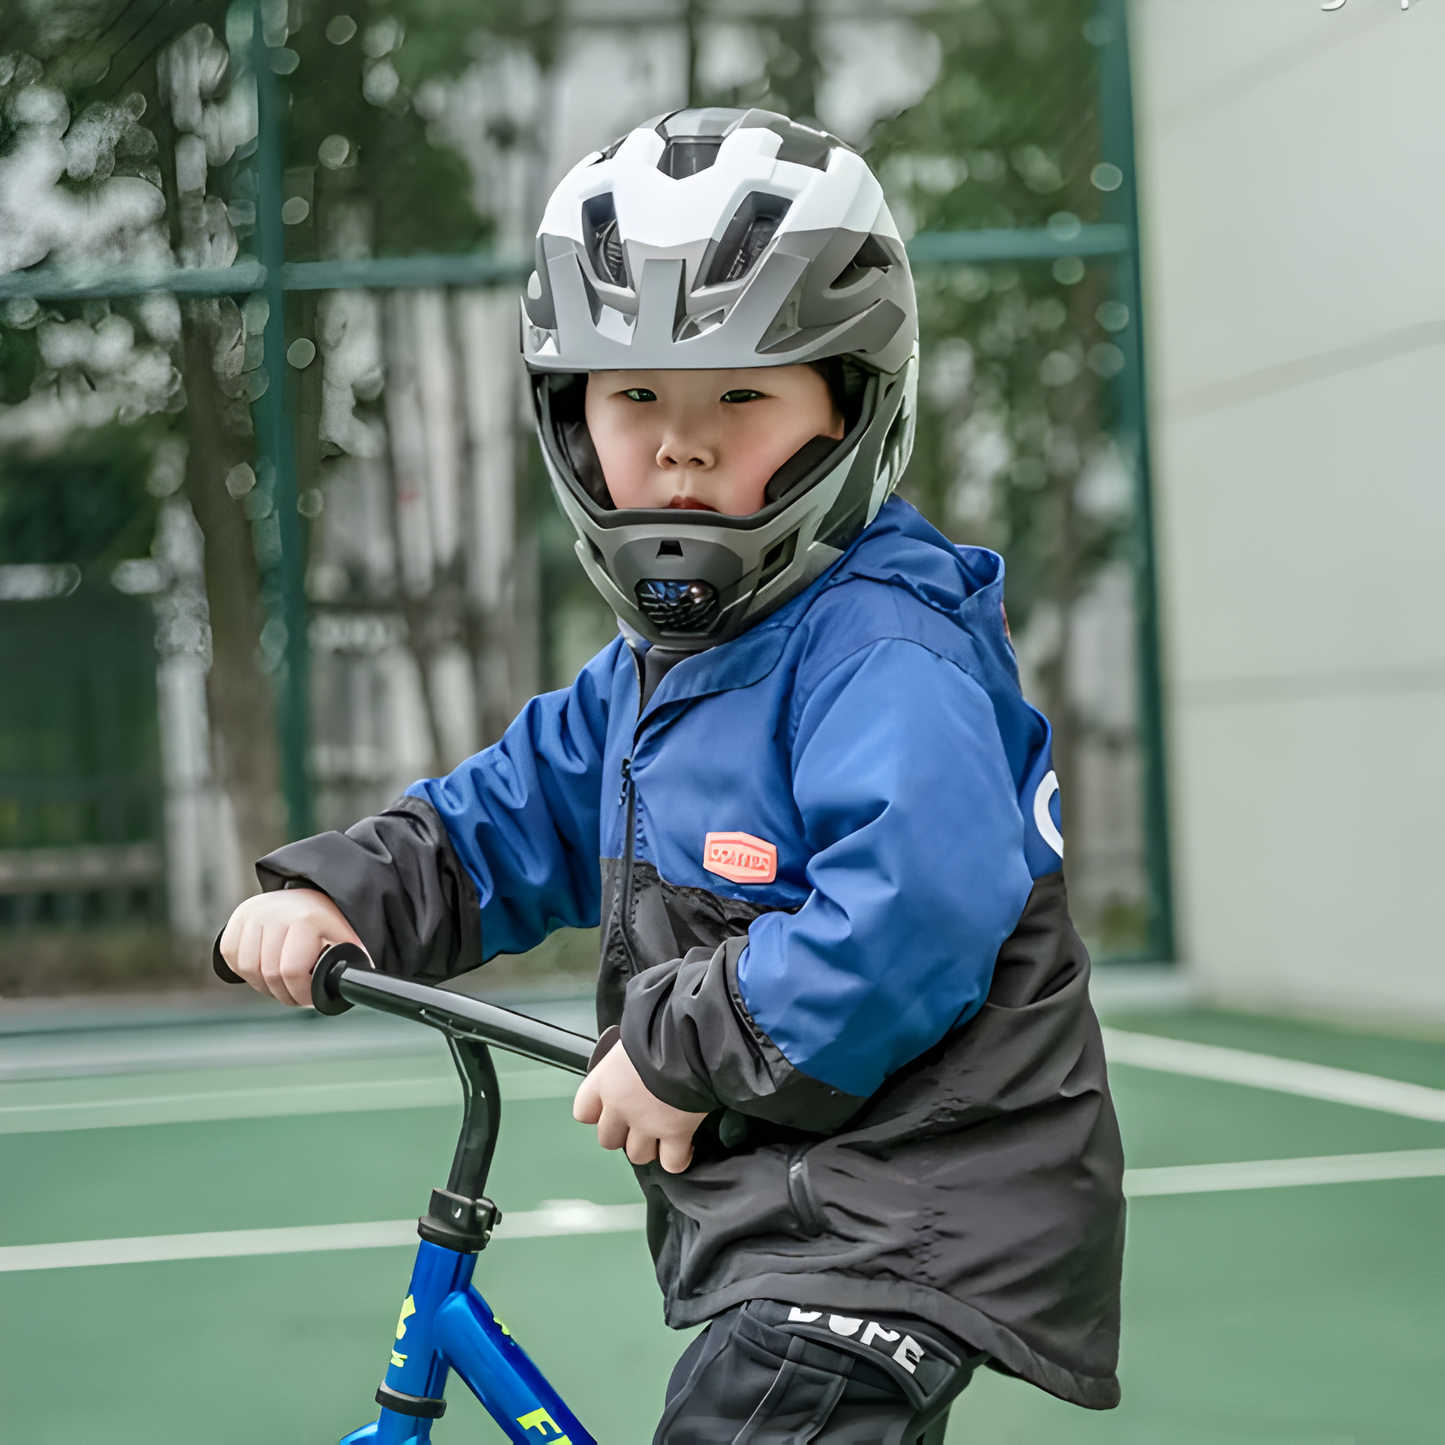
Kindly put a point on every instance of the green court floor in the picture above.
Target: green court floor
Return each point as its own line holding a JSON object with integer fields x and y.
{"x": 1305, "y": 1315}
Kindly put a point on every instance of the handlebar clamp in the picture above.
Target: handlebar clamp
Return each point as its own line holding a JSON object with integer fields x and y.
{"x": 456, "y": 1222}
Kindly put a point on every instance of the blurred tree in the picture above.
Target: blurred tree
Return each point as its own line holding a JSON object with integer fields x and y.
{"x": 85, "y": 503}
{"x": 1013, "y": 415}
{"x": 168, "y": 86}
{"x": 787, "y": 39}
{"x": 1016, "y": 446}
{"x": 381, "y": 160}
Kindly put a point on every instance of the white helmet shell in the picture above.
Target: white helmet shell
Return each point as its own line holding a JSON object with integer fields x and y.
{"x": 720, "y": 239}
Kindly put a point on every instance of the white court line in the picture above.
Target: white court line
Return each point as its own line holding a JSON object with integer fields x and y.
{"x": 1284, "y": 1076}
{"x": 271, "y": 1101}
{"x": 560, "y": 1216}
{"x": 1285, "y": 1173}
{"x": 1146, "y": 1051}
{"x": 580, "y": 1216}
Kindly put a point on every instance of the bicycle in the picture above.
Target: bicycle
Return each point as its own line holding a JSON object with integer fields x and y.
{"x": 446, "y": 1327}
{"x": 445, "y": 1324}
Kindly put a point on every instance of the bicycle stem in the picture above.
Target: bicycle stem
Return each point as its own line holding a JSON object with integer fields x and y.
{"x": 481, "y": 1117}
{"x": 460, "y": 1216}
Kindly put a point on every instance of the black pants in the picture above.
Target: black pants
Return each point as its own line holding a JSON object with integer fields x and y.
{"x": 768, "y": 1373}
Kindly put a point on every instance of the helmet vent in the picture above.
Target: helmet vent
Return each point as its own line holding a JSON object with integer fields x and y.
{"x": 669, "y": 547}
{"x": 753, "y": 226}
{"x": 686, "y": 157}
{"x": 609, "y": 247}
{"x": 870, "y": 256}
{"x": 604, "y": 243}
{"x": 701, "y": 325}
{"x": 755, "y": 239}
{"x": 778, "y": 558}
{"x": 678, "y": 606}
{"x": 802, "y": 145}
{"x": 610, "y": 151}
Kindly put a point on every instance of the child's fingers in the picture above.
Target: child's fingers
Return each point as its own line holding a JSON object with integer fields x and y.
{"x": 612, "y": 1131}
{"x": 642, "y": 1147}
{"x": 587, "y": 1103}
{"x": 299, "y": 951}
{"x": 248, "y": 953}
{"x": 273, "y": 938}
{"x": 675, "y": 1153}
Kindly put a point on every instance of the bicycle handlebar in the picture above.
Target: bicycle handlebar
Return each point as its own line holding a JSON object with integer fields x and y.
{"x": 344, "y": 976}
{"x": 455, "y": 1014}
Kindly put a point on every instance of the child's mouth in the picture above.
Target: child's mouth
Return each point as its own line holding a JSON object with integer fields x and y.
{"x": 689, "y": 504}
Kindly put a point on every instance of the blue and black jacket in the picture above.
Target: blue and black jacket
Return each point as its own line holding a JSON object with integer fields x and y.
{"x": 826, "y": 861}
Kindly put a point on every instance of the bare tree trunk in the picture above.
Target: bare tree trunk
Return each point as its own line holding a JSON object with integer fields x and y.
{"x": 239, "y": 694}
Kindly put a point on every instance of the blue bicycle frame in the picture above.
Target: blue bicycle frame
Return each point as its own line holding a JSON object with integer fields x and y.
{"x": 445, "y": 1325}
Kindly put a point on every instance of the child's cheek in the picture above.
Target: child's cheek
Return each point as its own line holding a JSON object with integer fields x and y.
{"x": 763, "y": 459}
{"x": 628, "y": 466}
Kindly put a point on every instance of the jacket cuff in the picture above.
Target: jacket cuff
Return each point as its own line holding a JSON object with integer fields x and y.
{"x": 694, "y": 1044}
{"x": 400, "y": 884}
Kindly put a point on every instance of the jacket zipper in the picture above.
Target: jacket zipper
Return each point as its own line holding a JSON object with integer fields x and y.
{"x": 628, "y": 798}
{"x": 629, "y": 850}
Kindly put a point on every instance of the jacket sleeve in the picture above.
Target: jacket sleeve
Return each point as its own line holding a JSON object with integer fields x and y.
{"x": 695, "y": 1045}
{"x": 917, "y": 876}
{"x": 487, "y": 860}
{"x": 397, "y": 879}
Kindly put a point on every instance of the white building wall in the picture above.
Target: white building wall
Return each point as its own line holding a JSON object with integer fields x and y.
{"x": 1294, "y": 206}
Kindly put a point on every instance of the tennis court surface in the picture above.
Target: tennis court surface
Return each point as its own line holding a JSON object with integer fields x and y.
{"x": 205, "y": 1231}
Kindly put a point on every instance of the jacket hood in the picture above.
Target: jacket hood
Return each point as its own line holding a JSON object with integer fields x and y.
{"x": 965, "y": 586}
{"x": 961, "y": 583}
{"x": 903, "y": 550}
{"x": 898, "y": 549}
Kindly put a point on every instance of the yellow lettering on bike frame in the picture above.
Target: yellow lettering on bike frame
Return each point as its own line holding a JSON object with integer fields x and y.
{"x": 542, "y": 1422}
{"x": 408, "y": 1308}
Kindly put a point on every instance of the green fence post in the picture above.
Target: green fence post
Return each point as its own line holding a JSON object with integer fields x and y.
{"x": 284, "y": 642}
{"x": 1109, "y": 33}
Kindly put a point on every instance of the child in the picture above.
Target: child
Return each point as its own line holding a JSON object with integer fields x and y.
{"x": 858, "y": 1071}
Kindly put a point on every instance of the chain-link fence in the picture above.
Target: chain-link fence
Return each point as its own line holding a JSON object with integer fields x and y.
{"x": 274, "y": 539}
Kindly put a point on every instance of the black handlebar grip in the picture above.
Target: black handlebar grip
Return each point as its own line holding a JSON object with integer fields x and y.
{"x": 325, "y": 977}
{"x": 220, "y": 967}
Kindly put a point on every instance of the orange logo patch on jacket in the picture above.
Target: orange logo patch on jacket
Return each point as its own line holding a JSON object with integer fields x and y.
{"x": 740, "y": 857}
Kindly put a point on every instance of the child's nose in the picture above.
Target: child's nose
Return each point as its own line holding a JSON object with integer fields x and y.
{"x": 679, "y": 450}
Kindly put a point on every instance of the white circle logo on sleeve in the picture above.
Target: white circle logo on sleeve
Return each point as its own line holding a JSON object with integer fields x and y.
{"x": 1043, "y": 819}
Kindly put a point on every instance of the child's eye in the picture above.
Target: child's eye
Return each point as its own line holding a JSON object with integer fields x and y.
{"x": 639, "y": 393}
{"x": 742, "y": 394}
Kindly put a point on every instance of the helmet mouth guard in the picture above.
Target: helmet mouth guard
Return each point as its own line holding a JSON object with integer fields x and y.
{"x": 718, "y": 240}
{"x": 687, "y": 609}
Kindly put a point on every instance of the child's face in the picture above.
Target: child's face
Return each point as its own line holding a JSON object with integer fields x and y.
{"x": 703, "y": 440}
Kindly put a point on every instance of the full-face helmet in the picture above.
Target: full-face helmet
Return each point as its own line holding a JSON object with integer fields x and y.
{"x": 719, "y": 239}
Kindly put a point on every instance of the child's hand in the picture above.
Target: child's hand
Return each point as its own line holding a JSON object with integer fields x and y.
{"x": 274, "y": 939}
{"x": 629, "y": 1117}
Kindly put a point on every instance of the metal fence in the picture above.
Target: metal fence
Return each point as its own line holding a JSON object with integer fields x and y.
{"x": 346, "y": 432}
